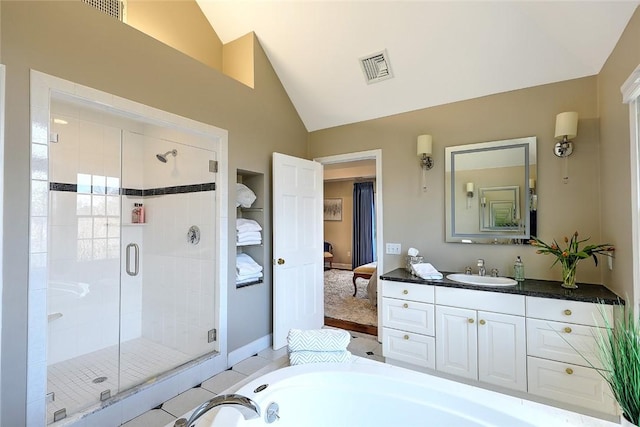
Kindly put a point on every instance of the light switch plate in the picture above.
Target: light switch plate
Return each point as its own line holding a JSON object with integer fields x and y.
{"x": 393, "y": 248}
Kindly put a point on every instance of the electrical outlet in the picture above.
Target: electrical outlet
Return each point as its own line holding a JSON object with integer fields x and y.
{"x": 348, "y": 253}
{"x": 394, "y": 248}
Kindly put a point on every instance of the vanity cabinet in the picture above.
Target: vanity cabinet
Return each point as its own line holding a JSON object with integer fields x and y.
{"x": 408, "y": 323}
{"x": 555, "y": 329}
{"x": 475, "y": 339}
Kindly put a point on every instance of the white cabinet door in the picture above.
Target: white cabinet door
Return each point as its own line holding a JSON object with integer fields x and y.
{"x": 502, "y": 350}
{"x": 457, "y": 342}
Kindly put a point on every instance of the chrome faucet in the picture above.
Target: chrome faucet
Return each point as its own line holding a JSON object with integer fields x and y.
{"x": 247, "y": 407}
{"x": 495, "y": 272}
{"x": 481, "y": 270}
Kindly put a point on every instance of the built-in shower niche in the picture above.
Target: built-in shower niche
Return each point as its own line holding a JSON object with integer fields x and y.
{"x": 126, "y": 301}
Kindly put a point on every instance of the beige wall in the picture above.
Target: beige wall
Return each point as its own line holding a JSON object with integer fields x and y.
{"x": 614, "y": 154}
{"x": 339, "y": 233}
{"x": 68, "y": 40}
{"x": 414, "y": 218}
{"x": 180, "y": 24}
{"x": 237, "y": 59}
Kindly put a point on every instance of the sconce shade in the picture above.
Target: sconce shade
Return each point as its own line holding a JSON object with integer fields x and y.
{"x": 469, "y": 187}
{"x": 566, "y": 125}
{"x": 532, "y": 183}
{"x": 425, "y": 143}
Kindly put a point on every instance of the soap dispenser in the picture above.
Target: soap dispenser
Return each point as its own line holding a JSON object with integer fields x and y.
{"x": 518, "y": 270}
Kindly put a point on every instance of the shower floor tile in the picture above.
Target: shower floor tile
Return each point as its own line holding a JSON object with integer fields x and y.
{"x": 78, "y": 382}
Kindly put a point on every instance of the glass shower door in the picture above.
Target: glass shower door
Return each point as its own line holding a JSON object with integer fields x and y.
{"x": 84, "y": 261}
{"x": 168, "y": 259}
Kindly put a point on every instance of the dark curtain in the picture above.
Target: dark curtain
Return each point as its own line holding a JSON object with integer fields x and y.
{"x": 363, "y": 224}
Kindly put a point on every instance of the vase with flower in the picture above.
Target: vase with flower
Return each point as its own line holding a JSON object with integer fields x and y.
{"x": 571, "y": 254}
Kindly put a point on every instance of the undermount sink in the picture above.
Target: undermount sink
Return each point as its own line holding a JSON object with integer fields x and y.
{"x": 476, "y": 280}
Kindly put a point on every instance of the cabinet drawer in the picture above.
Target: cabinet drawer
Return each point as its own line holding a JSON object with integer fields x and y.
{"x": 408, "y": 347}
{"x": 571, "y": 384}
{"x": 584, "y": 313}
{"x": 481, "y": 300}
{"x": 408, "y": 291}
{"x": 408, "y": 316}
{"x": 556, "y": 341}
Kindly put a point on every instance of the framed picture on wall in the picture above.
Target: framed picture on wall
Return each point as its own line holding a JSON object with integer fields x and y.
{"x": 333, "y": 209}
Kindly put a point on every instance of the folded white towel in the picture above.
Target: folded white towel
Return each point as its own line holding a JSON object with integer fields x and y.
{"x": 318, "y": 340}
{"x": 249, "y": 242}
{"x": 244, "y": 224}
{"x": 244, "y": 196}
{"x": 256, "y": 275}
{"x": 247, "y": 280}
{"x": 246, "y": 265}
{"x": 248, "y": 235}
{"x": 302, "y": 357}
{"x": 413, "y": 252}
{"x": 425, "y": 270}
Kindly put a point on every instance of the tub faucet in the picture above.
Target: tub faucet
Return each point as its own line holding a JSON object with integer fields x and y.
{"x": 481, "y": 270}
{"x": 247, "y": 407}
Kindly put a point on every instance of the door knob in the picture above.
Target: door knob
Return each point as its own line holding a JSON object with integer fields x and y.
{"x": 280, "y": 261}
{"x": 482, "y": 322}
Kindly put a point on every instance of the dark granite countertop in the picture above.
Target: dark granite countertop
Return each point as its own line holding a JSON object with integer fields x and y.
{"x": 530, "y": 287}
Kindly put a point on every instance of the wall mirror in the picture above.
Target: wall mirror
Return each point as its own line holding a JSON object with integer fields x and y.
{"x": 490, "y": 191}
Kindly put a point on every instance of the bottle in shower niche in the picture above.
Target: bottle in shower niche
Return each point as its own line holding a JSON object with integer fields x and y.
{"x": 135, "y": 214}
{"x": 141, "y": 216}
{"x": 518, "y": 270}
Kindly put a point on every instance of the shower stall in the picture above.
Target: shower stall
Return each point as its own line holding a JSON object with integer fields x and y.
{"x": 131, "y": 254}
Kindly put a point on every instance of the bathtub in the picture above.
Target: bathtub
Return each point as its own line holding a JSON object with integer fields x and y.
{"x": 375, "y": 394}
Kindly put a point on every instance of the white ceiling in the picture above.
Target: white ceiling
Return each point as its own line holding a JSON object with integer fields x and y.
{"x": 440, "y": 52}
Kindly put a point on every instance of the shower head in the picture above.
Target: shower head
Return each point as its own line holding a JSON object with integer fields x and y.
{"x": 163, "y": 157}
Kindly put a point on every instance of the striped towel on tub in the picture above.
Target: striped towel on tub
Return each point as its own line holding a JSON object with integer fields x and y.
{"x": 318, "y": 346}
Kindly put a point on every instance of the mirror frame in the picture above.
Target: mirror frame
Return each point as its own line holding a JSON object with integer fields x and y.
{"x": 529, "y": 145}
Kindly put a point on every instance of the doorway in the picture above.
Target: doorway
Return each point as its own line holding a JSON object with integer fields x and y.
{"x": 350, "y": 303}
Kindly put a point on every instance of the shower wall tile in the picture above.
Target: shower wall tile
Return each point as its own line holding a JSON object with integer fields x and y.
{"x": 38, "y": 234}
{"x": 40, "y": 125}
{"x": 39, "y": 198}
{"x": 39, "y": 162}
{"x": 38, "y": 271}
{"x": 63, "y": 208}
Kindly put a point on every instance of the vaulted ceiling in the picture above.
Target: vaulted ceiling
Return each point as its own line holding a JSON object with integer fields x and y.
{"x": 439, "y": 52}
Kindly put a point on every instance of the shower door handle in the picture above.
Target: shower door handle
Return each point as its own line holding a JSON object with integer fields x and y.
{"x": 136, "y": 260}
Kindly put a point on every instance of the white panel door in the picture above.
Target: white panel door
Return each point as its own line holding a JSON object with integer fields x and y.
{"x": 457, "y": 343}
{"x": 502, "y": 350}
{"x": 298, "y": 280}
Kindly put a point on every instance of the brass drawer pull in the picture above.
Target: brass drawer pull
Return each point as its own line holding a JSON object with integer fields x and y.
{"x": 482, "y": 322}
{"x": 406, "y": 337}
{"x": 567, "y": 312}
{"x": 405, "y": 292}
{"x": 470, "y": 320}
{"x": 569, "y": 371}
{"x": 405, "y": 305}
{"x": 567, "y": 330}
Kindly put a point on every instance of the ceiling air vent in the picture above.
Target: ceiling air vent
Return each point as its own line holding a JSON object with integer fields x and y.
{"x": 376, "y": 67}
{"x": 114, "y": 8}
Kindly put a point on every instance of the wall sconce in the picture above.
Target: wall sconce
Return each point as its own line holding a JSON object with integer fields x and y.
{"x": 566, "y": 128}
{"x": 469, "y": 194}
{"x": 483, "y": 202}
{"x": 425, "y": 146}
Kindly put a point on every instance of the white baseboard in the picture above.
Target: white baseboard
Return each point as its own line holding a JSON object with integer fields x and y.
{"x": 248, "y": 350}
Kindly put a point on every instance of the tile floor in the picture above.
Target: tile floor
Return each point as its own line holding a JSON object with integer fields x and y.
{"x": 78, "y": 382}
{"x": 268, "y": 360}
